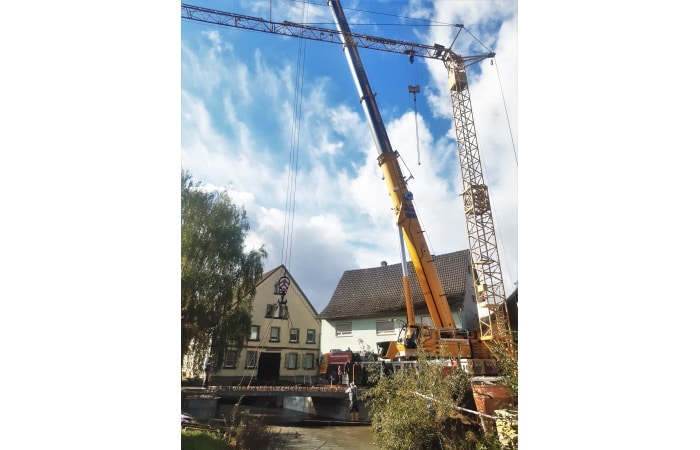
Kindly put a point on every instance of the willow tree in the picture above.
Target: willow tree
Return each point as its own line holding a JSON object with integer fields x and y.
{"x": 218, "y": 275}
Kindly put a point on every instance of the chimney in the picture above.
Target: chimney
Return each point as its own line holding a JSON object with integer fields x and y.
{"x": 383, "y": 263}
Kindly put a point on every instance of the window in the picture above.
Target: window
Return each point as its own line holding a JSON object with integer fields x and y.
{"x": 294, "y": 335}
{"x": 277, "y": 287}
{"x": 230, "y": 358}
{"x": 309, "y": 361}
{"x": 292, "y": 360}
{"x": 343, "y": 329}
{"x": 254, "y": 333}
{"x": 385, "y": 327}
{"x": 276, "y": 311}
{"x": 310, "y": 336}
{"x": 250, "y": 360}
{"x": 275, "y": 334}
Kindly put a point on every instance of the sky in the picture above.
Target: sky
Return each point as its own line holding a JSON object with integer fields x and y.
{"x": 255, "y": 104}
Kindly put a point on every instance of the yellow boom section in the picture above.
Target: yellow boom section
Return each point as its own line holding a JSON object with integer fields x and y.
{"x": 406, "y": 218}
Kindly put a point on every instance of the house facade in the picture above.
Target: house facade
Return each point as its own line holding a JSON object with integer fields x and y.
{"x": 368, "y": 305}
{"x": 283, "y": 346}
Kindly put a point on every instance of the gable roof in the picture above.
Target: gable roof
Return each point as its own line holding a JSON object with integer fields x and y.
{"x": 379, "y": 290}
{"x": 284, "y": 270}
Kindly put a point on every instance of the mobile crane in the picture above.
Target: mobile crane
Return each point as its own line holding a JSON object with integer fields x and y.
{"x": 443, "y": 337}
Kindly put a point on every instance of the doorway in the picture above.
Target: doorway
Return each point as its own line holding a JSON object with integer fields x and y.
{"x": 269, "y": 367}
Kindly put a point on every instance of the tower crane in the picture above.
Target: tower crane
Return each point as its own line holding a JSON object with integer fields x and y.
{"x": 489, "y": 291}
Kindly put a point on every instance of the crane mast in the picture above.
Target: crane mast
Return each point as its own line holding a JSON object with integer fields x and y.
{"x": 489, "y": 291}
{"x": 486, "y": 267}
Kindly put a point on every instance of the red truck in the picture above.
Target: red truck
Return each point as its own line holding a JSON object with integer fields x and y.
{"x": 332, "y": 367}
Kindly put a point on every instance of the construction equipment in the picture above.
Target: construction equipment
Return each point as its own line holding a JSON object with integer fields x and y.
{"x": 331, "y": 365}
{"x": 443, "y": 337}
{"x": 336, "y": 364}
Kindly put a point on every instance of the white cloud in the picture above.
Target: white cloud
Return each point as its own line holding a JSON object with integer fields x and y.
{"x": 237, "y": 119}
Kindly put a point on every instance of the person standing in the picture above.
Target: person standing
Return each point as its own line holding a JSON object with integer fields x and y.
{"x": 354, "y": 406}
{"x": 207, "y": 371}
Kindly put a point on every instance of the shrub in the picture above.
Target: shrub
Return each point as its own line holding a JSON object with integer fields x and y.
{"x": 425, "y": 409}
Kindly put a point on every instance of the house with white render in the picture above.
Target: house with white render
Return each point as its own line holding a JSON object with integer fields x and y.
{"x": 368, "y": 305}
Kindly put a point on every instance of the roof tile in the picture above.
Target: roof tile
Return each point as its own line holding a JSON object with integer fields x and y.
{"x": 379, "y": 290}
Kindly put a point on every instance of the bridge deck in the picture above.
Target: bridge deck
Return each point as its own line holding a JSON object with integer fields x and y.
{"x": 266, "y": 391}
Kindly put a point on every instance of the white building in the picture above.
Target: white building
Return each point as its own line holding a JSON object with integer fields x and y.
{"x": 368, "y": 305}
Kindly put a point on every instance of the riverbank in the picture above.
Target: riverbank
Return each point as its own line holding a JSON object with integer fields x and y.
{"x": 295, "y": 430}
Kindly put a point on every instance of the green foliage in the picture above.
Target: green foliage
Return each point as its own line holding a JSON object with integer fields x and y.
{"x": 414, "y": 409}
{"x": 417, "y": 410}
{"x": 217, "y": 276}
{"x": 204, "y": 440}
{"x": 253, "y": 433}
{"x": 507, "y": 359}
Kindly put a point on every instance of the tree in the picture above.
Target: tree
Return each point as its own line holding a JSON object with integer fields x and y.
{"x": 413, "y": 408}
{"x": 426, "y": 408}
{"x": 217, "y": 276}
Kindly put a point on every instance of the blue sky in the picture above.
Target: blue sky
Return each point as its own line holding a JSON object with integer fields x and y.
{"x": 241, "y": 90}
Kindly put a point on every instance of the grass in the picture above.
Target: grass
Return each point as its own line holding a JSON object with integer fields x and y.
{"x": 203, "y": 440}
{"x": 246, "y": 432}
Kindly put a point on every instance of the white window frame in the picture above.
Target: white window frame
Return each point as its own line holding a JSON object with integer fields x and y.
{"x": 274, "y": 334}
{"x": 276, "y": 311}
{"x": 313, "y": 336}
{"x": 254, "y": 330}
{"x": 230, "y": 358}
{"x": 309, "y": 361}
{"x": 341, "y": 333}
{"x": 383, "y": 329}
{"x": 251, "y": 360}
{"x": 292, "y": 336}
{"x": 292, "y": 361}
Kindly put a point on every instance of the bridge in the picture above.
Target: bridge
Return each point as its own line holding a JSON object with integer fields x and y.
{"x": 319, "y": 401}
{"x": 326, "y": 391}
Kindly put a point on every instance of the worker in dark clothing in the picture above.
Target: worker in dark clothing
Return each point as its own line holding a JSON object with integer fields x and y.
{"x": 354, "y": 406}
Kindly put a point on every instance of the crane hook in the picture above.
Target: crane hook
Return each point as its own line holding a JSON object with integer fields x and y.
{"x": 414, "y": 90}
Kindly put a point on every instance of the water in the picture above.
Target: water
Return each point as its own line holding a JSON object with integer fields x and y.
{"x": 350, "y": 437}
{"x": 326, "y": 438}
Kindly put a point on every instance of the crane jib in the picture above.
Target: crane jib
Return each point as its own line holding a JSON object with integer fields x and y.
{"x": 298, "y": 30}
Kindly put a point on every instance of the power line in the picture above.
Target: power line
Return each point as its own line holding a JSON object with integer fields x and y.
{"x": 345, "y": 8}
